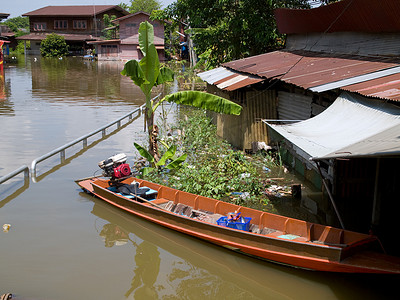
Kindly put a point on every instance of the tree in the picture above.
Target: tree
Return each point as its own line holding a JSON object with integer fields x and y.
{"x": 54, "y": 45}
{"x": 148, "y": 73}
{"x": 141, "y": 5}
{"x": 109, "y": 33}
{"x": 231, "y": 29}
{"x": 17, "y": 23}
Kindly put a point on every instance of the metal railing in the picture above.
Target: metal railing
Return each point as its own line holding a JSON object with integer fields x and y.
{"x": 21, "y": 169}
{"x": 83, "y": 139}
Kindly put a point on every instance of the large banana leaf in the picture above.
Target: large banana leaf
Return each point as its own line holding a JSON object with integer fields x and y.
{"x": 205, "y": 101}
{"x": 133, "y": 70}
{"x": 150, "y": 63}
{"x": 146, "y": 36}
{"x": 177, "y": 162}
{"x": 167, "y": 155}
{"x": 165, "y": 75}
{"x": 143, "y": 152}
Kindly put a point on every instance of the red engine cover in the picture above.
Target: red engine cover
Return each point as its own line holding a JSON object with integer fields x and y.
{"x": 122, "y": 170}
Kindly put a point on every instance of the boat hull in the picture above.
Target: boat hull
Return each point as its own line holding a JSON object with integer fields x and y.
{"x": 300, "y": 254}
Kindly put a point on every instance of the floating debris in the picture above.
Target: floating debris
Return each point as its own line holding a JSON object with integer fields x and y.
{"x": 280, "y": 191}
{"x": 277, "y": 191}
{"x": 6, "y": 227}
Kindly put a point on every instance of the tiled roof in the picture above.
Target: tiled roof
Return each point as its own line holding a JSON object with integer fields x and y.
{"x": 73, "y": 10}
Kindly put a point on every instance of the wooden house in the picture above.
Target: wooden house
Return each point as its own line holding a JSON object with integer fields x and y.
{"x": 127, "y": 46}
{"x": 337, "y": 55}
{"x": 77, "y": 24}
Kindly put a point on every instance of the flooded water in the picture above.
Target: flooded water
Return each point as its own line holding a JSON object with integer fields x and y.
{"x": 65, "y": 244}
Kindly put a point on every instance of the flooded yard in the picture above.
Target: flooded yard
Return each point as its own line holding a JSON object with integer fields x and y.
{"x": 65, "y": 244}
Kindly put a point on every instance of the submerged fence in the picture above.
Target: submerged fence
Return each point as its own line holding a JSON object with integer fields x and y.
{"x": 61, "y": 150}
{"x": 21, "y": 169}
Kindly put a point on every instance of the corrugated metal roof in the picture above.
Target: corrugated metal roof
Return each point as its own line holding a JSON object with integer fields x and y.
{"x": 228, "y": 80}
{"x": 309, "y": 70}
{"x": 73, "y": 10}
{"x": 345, "y": 15}
{"x": 357, "y": 79}
{"x": 387, "y": 87}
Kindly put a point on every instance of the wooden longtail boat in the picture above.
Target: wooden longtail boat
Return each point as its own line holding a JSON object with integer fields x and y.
{"x": 269, "y": 237}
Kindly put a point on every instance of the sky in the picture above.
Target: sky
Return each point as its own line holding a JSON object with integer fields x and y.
{"x": 19, "y": 7}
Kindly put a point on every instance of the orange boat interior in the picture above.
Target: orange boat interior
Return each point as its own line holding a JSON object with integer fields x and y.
{"x": 261, "y": 222}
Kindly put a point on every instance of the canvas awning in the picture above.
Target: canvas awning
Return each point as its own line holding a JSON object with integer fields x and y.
{"x": 352, "y": 126}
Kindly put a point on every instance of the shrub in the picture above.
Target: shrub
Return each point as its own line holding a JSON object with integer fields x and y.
{"x": 53, "y": 46}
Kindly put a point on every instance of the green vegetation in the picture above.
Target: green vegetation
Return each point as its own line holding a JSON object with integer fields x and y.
{"x": 226, "y": 30}
{"x": 18, "y": 25}
{"x": 109, "y": 33}
{"x": 213, "y": 168}
{"x": 20, "y": 48}
{"x": 169, "y": 160}
{"x": 141, "y": 5}
{"x": 54, "y": 46}
{"x": 148, "y": 73}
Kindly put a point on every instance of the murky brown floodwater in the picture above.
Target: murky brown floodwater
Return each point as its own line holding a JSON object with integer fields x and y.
{"x": 64, "y": 244}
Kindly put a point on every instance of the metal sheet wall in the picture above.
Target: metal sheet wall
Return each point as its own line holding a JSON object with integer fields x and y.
{"x": 356, "y": 43}
{"x": 259, "y": 105}
{"x": 242, "y": 130}
{"x": 294, "y": 106}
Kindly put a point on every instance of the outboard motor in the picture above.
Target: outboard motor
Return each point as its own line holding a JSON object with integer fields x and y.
{"x": 115, "y": 166}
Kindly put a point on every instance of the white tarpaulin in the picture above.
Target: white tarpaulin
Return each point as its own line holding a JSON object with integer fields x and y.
{"x": 351, "y": 126}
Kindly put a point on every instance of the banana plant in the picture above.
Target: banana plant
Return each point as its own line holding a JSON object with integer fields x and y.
{"x": 169, "y": 160}
{"x": 148, "y": 73}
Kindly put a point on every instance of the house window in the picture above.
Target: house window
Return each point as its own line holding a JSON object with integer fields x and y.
{"x": 80, "y": 24}
{"x": 60, "y": 24}
{"x": 109, "y": 50}
{"x": 130, "y": 24}
{"x": 39, "y": 26}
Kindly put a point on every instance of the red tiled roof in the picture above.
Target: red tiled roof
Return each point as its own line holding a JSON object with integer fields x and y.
{"x": 346, "y": 15}
{"x": 73, "y": 10}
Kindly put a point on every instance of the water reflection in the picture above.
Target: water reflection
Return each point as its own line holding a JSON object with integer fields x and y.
{"x": 167, "y": 267}
{"x": 112, "y": 235}
{"x": 181, "y": 267}
{"x": 74, "y": 80}
{"x": 170, "y": 265}
{"x": 147, "y": 260}
{"x": 6, "y": 188}
{"x": 6, "y": 107}
{"x": 56, "y": 102}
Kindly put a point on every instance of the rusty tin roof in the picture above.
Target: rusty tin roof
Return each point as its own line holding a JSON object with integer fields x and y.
{"x": 313, "y": 71}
